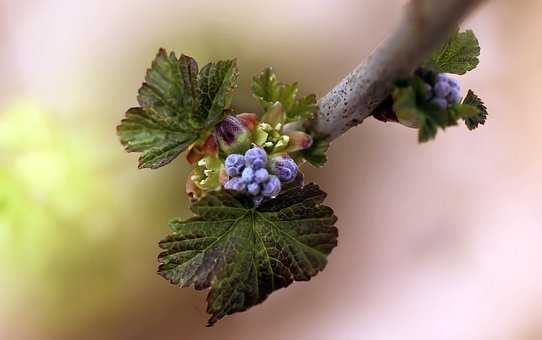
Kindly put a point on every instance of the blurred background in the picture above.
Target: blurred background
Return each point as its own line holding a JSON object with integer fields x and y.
{"x": 437, "y": 241}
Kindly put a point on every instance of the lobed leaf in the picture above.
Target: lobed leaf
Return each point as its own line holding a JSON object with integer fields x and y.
{"x": 160, "y": 138}
{"x": 267, "y": 89}
{"x": 458, "y": 55}
{"x": 216, "y": 84}
{"x": 244, "y": 254}
{"x": 479, "y": 118}
{"x": 176, "y": 106}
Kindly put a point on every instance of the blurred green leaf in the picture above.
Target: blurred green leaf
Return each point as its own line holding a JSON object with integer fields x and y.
{"x": 458, "y": 55}
{"x": 480, "y": 116}
{"x": 413, "y": 110}
{"x": 245, "y": 253}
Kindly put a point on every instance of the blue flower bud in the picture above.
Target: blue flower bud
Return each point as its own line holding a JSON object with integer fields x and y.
{"x": 248, "y": 175}
{"x": 441, "y": 103}
{"x": 261, "y": 175}
{"x": 233, "y": 136}
{"x": 284, "y": 167}
{"x": 453, "y": 83}
{"x": 454, "y": 96}
{"x": 234, "y": 164}
{"x": 272, "y": 187}
{"x": 253, "y": 189}
{"x": 236, "y": 184}
{"x": 256, "y": 158}
{"x": 442, "y": 89}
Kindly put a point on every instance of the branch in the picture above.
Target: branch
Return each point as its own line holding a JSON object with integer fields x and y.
{"x": 425, "y": 25}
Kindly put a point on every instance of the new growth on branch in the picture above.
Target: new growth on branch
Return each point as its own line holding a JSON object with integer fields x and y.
{"x": 256, "y": 226}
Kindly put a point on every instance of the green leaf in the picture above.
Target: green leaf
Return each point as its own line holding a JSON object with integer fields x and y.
{"x": 405, "y": 106}
{"x": 478, "y": 118}
{"x": 216, "y": 84}
{"x": 177, "y": 106}
{"x": 160, "y": 138}
{"x": 268, "y": 90}
{"x": 458, "y": 55}
{"x": 242, "y": 253}
{"x": 316, "y": 154}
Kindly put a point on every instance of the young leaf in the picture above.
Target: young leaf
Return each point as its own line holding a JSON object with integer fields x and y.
{"x": 473, "y": 121}
{"x": 268, "y": 90}
{"x": 458, "y": 55}
{"x": 159, "y": 137}
{"x": 405, "y": 106}
{"x": 216, "y": 84}
{"x": 176, "y": 106}
{"x": 244, "y": 253}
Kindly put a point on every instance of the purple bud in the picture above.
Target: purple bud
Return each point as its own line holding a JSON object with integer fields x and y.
{"x": 234, "y": 164}
{"x": 233, "y": 136}
{"x": 272, "y": 187}
{"x": 454, "y": 96}
{"x": 261, "y": 175}
{"x": 442, "y": 89}
{"x": 453, "y": 83}
{"x": 236, "y": 184}
{"x": 248, "y": 175}
{"x": 441, "y": 103}
{"x": 441, "y": 77}
{"x": 253, "y": 189}
{"x": 256, "y": 158}
{"x": 284, "y": 167}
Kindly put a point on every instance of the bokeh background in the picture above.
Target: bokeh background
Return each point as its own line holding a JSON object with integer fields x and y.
{"x": 437, "y": 241}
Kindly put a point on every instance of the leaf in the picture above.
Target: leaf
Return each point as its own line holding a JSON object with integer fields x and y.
{"x": 244, "y": 254}
{"x": 158, "y": 137}
{"x": 268, "y": 90}
{"x": 164, "y": 90}
{"x": 405, "y": 106}
{"x": 176, "y": 107}
{"x": 316, "y": 154}
{"x": 458, "y": 55}
{"x": 216, "y": 84}
{"x": 479, "y": 118}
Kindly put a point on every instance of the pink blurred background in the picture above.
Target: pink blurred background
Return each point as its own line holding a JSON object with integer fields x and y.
{"x": 437, "y": 241}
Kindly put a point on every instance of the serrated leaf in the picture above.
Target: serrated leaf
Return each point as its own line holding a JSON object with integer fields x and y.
{"x": 244, "y": 254}
{"x": 158, "y": 137}
{"x": 164, "y": 90}
{"x": 177, "y": 105}
{"x": 458, "y": 55}
{"x": 479, "y": 118}
{"x": 267, "y": 89}
{"x": 216, "y": 84}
